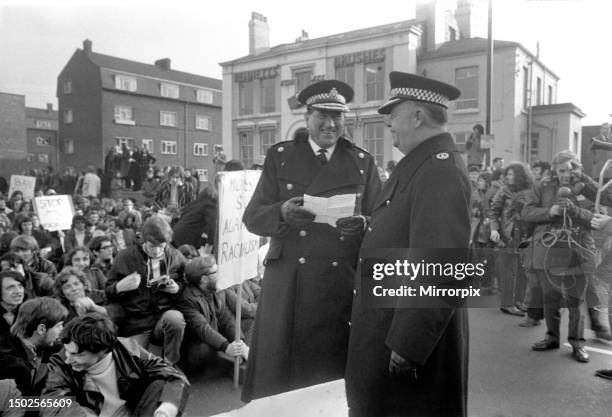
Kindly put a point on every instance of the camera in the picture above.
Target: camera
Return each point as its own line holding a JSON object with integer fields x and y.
{"x": 160, "y": 282}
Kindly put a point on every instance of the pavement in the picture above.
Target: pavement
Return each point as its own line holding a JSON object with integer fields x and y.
{"x": 507, "y": 379}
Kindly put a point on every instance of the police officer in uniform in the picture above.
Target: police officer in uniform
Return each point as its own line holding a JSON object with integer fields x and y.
{"x": 414, "y": 361}
{"x": 302, "y": 324}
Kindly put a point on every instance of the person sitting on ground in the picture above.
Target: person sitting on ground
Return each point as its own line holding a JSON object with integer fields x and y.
{"x": 250, "y": 297}
{"x": 130, "y": 211}
{"x": 102, "y": 249}
{"x": 210, "y": 324}
{"x": 80, "y": 258}
{"x": 37, "y": 270}
{"x": 189, "y": 252}
{"x": 34, "y": 334}
{"x": 12, "y": 285}
{"x": 72, "y": 289}
{"x": 97, "y": 368}
{"x": 77, "y": 235}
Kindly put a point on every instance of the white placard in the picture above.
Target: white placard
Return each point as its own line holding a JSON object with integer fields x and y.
{"x": 237, "y": 251}
{"x": 24, "y": 184}
{"x": 54, "y": 211}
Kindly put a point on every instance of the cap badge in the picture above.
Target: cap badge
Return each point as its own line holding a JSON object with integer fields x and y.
{"x": 333, "y": 93}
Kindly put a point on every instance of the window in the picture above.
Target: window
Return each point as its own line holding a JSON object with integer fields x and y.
{"x": 525, "y": 87}
{"x": 373, "y": 141}
{"x": 202, "y": 122}
{"x": 168, "y": 147}
{"x": 148, "y": 143}
{"x": 68, "y": 116}
{"x": 44, "y": 124}
{"x": 124, "y": 115}
{"x": 42, "y": 141}
{"x": 122, "y": 140}
{"x": 461, "y": 137}
{"x": 67, "y": 87}
{"x": 303, "y": 78}
{"x": 169, "y": 90}
{"x": 466, "y": 80}
{"x": 200, "y": 149}
{"x": 204, "y": 96}
{"x": 575, "y": 144}
{"x": 534, "y": 149}
{"x": 268, "y": 95}
{"x": 123, "y": 82}
{"x": 267, "y": 140}
{"x": 167, "y": 118}
{"x": 346, "y": 75}
{"x": 245, "y": 98}
{"x": 245, "y": 143}
{"x": 550, "y": 94}
{"x": 69, "y": 146}
{"x": 43, "y": 158}
{"x": 539, "y": 91}
{"x": 202, "y": 174}
{"x": 451, "y": 34}
{"x": 374, "y": 81}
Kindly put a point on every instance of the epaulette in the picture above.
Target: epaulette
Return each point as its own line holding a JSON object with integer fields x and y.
{"x": 282, "y": 150}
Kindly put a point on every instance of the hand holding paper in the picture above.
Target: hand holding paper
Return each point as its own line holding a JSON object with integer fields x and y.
{"x": 329, "y": 210}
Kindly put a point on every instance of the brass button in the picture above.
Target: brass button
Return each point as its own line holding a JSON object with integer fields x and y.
{"x": 280, "y": 149}
{"x": 303, "y": 233}
{"x": 361, "y": 170}
{"x": 370, "y": 229}
{"x": 355, "y": 293}
{"x": 388, "y": 202}
{"x": 290, "y": 186}
{"x": 342, "y": 238}
{"x": 349, "y": 323}
{"x": 361, "y": 155}
{"x": 302, "y": 260}
{"x": 334, "y": 263}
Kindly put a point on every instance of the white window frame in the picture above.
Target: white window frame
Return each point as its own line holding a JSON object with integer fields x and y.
{"x": 203, "y": 122}
{"x": 200, "y": 149}
{"x": 44, "y": 124}
{"x": 168, "y": 147}
{"x": 460, "y": 102}
{"x": 149, "y": 144}
{"x": 43, "y": 158}
{"x": 204, "y": 96}
{"x": 68, "y": 116}
{"x": 125, "y": 140}
{"x": 68, "y": 146}
{"x": 126, "y": 83}
{"x": 169, "y": 90}
{"x": 67, "y": 87}
{"x": 124, "y": 115}
{"x": 42, "y": 141}
{"x": 164, "y": 121}
{"x": 202, "y": 174}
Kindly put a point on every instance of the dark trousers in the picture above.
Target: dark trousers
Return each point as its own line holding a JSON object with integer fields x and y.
{"x": 151, "y": 399}
{"x": 534, "y": 297}
{"x": 512, "y": 278}
{"x": 554, "y": 289}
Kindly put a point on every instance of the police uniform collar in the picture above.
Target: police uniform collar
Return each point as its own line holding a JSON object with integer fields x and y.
{"x": 315, "y": 148}
{"x": 441, "y": 143}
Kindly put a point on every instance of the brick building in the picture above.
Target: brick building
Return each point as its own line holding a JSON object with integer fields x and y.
{"x": 105, "y": 101}
{"x": 42, "y": 138}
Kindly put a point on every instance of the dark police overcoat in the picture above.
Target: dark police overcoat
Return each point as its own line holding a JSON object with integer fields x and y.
{"x": 425, "y": 204}
{"x": 302, "y": 323}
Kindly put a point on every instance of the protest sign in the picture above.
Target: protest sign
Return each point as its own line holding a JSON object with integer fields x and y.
{"x": 237, "y": 247}
{"x": 54, "y": 211}
{"x": 24, "y": 184}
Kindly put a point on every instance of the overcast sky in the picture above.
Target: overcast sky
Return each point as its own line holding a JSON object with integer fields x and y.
{"x": 37, "y": 38}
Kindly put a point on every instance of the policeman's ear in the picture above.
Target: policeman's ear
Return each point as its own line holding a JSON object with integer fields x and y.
{"x": 419, "y": 117}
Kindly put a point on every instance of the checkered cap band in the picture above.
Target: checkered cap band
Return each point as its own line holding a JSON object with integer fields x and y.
{"x": 331, "y": 97}
{"x": 420, "y": 94}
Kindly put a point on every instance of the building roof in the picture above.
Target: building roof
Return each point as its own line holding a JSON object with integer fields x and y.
{"x": 559, "y": 107}
{"x": 476, "y": 45}
{"x": 329, "y": 40}
{"x": 125, "y": 65}
{"x": 41, "y": 113}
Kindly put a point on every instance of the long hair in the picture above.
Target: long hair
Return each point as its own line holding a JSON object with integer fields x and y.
{"x": 523, "y": 178}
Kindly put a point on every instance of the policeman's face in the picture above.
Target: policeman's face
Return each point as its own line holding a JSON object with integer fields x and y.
{"x": 325, "y": 127}
{"x": 402, "y": 123}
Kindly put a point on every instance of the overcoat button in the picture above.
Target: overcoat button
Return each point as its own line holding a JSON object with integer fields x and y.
{"x": 290, "y": 186}
{"x": 361, "y": 170}
{"x": 355, "y": 293}
{"x": 303, "y": 233}
{"x": 388, "y": 202}
{"x": 370, "y": 229}
{"x": 342, "y": 238}
{"x": 334, "y": 263}
{"x": 280, "y": 149}
{"x": 361, "y": 155}
{"x": 302, "y": 260}
{"x": 349, "y": 323}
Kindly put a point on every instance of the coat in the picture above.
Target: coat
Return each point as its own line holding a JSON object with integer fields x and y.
{"x": 197, "y": 217}
{"x": 301, "y": 327}
{"x": 425, "y": 204}
{"x": 136, "y": 370}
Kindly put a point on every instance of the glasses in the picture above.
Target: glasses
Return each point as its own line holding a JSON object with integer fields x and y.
{"x": 106, "y": 247}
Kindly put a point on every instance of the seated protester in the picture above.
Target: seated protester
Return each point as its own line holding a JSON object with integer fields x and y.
{"x": 250, "y": 296}
{"x": 121, "y": 238}
{"x": 24, "y": 225}
{"x": 80, "y": 257}
{"x": 8, "y": 392}
{"x": 78, "y": 235}
{"x": 38, "y": 270}
{"x": 98, "y": 369}
{"x": 5, "y": 241}
{"x": 102, "y": 249}
{"x": 146, "y": 280}
{"x": 130, "y": 211}
{"x": 197, "y": 218}
{"x": 47, "y": 239}
{"x": 12, "y": 285}
{"x": 72, "y": 289}
{"x": 93, "y": 217}
{"x": 34, "y": 335}
{"x": 210, "y": 324}
{"x": 188, "y": 252}
{"x": 100, "y": 230}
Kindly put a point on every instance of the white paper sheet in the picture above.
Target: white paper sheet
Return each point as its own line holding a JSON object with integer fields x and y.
{"x": 330, "y": 209}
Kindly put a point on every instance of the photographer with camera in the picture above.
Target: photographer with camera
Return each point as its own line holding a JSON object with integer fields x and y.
{"x": 146, "y": 280}
{"x": 563, "y": 250}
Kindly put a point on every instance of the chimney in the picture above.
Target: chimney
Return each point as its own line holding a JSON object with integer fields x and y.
{"x": 303, "y": 37}
{"x": 87, "y": 46}
{"x": 163, "y": 63}
{"x": 471, "y": 16}
{"x": 259, "y": 34}
{"x": 49, "y": 107}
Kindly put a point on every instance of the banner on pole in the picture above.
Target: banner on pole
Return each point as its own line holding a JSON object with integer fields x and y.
{"x": 487, "y": 142}
{"x": 237, "y": 251}
{"x": 54, "y": 211}
{"x": 24, "y": 184}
